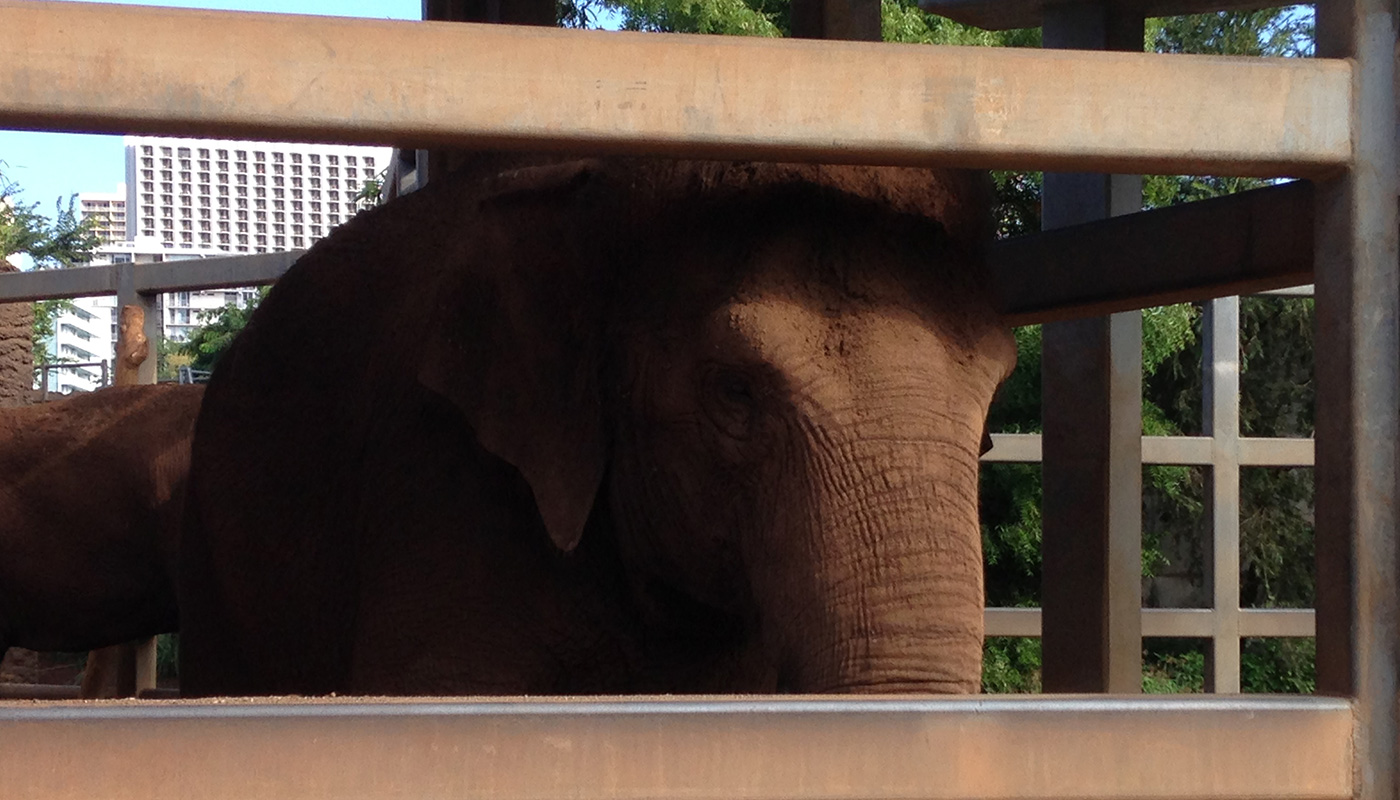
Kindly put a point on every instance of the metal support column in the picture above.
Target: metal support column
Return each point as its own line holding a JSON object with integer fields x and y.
{"x": 131, "y": 667}
{"x": 1357, "y": 395}
{"x": 1092, "y": 410}
{"x": 854, "y": 20}
{"x": 1221, "y": 367}
{"x": 435, "y": 163}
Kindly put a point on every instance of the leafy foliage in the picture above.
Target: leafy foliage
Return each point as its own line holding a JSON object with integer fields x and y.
{"x": 216, "y": 332}
{"x": 46, "y": 314}
{"x": 61, "y": 242}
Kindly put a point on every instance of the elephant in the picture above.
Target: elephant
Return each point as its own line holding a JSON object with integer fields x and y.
{"x": 90, "y": 516}
{"x": 609, "y": 425}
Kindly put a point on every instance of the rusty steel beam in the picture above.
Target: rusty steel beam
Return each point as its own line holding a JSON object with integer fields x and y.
{"x": 1000, "y": 15}
{"x": 1357, "y": 375}
{"x": 750, "y": 748}
{"x": 1091, "y": 410}
{"x": 122, "y": 69}
{"x": 1241, "y": 244}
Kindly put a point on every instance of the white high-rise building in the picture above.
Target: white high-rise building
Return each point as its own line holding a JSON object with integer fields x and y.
{"x": 206, "y": 198}
{"x": 107, "y": 210}
{"x": 240, "y": 196}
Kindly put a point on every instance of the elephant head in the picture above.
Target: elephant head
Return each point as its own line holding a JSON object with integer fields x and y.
{"x": 765, "y": 383}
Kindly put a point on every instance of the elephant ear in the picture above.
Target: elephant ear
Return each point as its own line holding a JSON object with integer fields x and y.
{"x": 517, "y": 346}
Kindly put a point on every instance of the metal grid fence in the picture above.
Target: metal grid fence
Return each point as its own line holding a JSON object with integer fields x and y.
{"x": 1224, "y": 451}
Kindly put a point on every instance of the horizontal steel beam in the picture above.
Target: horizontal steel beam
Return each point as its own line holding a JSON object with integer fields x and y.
{"x": 214, "y": 273}
{"x": 38, "y": 691}
{"x": 1184, "y": 623}
{"x": 149, "y": 278}
{"x": 749, "y": 748}
{"x": 1025, "y": 448}
{"x": 123, "y": 69}
{"x": 1000, "y": 15}
{"x": 1242, "y": 244}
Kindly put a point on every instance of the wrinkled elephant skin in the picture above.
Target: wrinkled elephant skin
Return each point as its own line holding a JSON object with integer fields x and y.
{"x": 606, "y": 426}
{"x": 90, "y": 514}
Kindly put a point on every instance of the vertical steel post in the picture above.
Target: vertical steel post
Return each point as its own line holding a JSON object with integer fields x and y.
{"x": 138, "y": 671}
{"x": 1221, "y": 367}
{"x": 854, "y": 20}
{"x": 430, "y": 164}
{"x": 1092, "y": 410}
{"x": 1357, "y": 395}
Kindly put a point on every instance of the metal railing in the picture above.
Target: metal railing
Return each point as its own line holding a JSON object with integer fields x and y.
{"x": 1224, "y": 451}
{"x": 43, "y": 371}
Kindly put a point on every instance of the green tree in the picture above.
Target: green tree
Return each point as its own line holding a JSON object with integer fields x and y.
{"x": 63, "y": 241}
{"x": 216, "y": 332}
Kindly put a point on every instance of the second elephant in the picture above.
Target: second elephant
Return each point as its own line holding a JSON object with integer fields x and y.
{"x": 90, "y": 510}
{"x": 606, "y": 426}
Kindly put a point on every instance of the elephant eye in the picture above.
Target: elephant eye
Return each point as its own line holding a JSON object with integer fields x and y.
{"x": 734, "y": 388}
{"x": 731, "y": 400}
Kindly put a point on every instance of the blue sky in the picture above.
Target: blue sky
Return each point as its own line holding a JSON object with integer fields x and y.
{"x": 51, "y": 165}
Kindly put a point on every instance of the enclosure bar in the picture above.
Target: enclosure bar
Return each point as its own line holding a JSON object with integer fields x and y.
{"x": 1220, "y": 364}
{"x": 1000, "y": 15}
{"x": 122, "y": 69}
{"x": 148, "y": 278}
{"x": 1091, "y": 406}
{"x": 748, "y": 748}
{"x": 1249, "y": 242}
{"x": 1025, "y": 448}
{"x": 1358, "y": 395}
{"x": 1189, "y": 623}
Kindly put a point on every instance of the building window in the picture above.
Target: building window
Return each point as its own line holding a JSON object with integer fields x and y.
{"x": 296, "y": 158}
{"x": 350, "y": 160}
{"x": 259, "y": 156}
{"x": 184, "y": 152}
{"x": 315, "y": 159}
{"x": 147, "y": 150}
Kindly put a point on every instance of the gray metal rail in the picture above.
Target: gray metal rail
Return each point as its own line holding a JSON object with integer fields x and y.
{"x": 751, "y": 748}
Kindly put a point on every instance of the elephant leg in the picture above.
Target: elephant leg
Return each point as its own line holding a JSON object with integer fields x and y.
{"x": 110, "y": 672}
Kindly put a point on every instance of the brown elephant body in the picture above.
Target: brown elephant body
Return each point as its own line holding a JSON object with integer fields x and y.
{"x": 90, "y": 514}
{"x": 606, "y": 426}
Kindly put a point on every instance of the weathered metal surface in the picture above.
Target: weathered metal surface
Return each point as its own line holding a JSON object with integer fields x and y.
{"x": 121, "y": 69}
{"x": 740, "y": 748}
{"x": 1358, "y": 393}
{"x": 215, "y": 273}
{"x": 1091, "y": 410}
{"x": 37, "y": 691}
{"x": 139, "y": 331}
{"x": 1244, "y": 243}
{"x": 1000, "y": 15}
{"x": 1024, "y": 448}
{"x": 1185, "y": 623}
{"x": 1220, "y": 365}
{"x": 849, "y": 20}
{"x": 167, "y": 276}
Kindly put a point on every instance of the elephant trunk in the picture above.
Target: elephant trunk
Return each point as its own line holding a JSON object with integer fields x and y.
{"x": 888, "y": 599}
